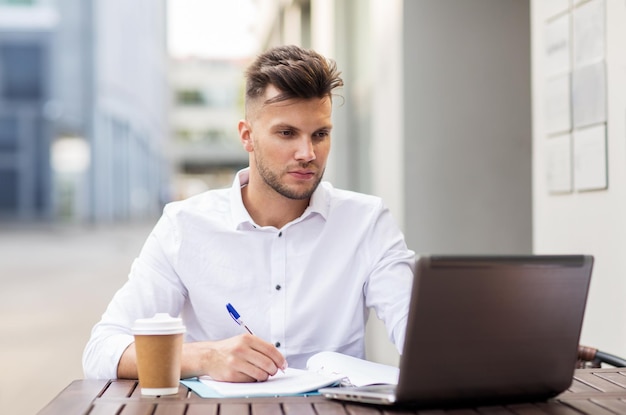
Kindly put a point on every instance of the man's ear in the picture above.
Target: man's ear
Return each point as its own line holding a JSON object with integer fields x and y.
{"x": 244, "y": 135}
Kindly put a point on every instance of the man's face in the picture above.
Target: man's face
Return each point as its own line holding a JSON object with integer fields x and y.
{"x": 288, "y": 142}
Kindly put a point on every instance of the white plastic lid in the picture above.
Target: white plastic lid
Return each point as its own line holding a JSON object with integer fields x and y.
{"x": 161, "y": 323}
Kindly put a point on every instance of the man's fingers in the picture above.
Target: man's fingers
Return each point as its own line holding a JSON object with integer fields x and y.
{"x": 272, "y": 360}
{"x": 253, "y": 359}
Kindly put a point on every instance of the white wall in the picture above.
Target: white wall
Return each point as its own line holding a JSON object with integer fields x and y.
{"x": 449, "y": 125}
{"x": 591, "y": 222}
{"x": 467, "y": 126}
{"x": 387, "y": 139}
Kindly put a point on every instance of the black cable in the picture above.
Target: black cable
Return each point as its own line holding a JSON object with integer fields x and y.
{"x": 610, "y": 359}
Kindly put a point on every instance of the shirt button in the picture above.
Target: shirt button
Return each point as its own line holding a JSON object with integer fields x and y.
{"x": 278, "y": 287}
{"x": 280, "y": 234}
{"x": 277, "y": 344}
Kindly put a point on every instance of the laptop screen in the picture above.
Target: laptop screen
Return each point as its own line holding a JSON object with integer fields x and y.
{"x": 493, "y": 328}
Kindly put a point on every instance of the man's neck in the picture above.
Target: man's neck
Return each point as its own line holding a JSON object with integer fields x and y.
{"x": 268, "y": 208}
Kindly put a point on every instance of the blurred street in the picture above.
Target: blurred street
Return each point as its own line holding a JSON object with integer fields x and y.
{"x": 56, "y": 282}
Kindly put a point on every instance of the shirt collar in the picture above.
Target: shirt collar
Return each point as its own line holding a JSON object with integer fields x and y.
{"x": 319, "y": 204}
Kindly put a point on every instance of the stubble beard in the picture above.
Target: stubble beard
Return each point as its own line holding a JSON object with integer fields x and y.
{"x": 273, "y": 180}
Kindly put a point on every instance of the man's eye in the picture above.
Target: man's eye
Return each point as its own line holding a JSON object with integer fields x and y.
{"x": 286, "y": 133}
{"x": 321, "y": 134}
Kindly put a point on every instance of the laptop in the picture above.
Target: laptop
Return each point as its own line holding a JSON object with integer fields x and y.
{"x": 487, "y": 330}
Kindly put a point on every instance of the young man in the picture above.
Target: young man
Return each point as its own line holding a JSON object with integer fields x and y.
{"x": 301, "y": 261}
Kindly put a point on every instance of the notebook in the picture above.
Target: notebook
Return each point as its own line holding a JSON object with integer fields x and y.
{"x": 487, "y": 330}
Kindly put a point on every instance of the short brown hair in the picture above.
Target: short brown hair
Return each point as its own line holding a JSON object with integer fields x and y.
{"x": 295, "y": 72}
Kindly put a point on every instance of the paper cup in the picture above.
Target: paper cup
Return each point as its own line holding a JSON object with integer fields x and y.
{"x": 159, "y": 344}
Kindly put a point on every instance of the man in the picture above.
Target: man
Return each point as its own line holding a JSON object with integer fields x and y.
{"x": 301, "y": 261}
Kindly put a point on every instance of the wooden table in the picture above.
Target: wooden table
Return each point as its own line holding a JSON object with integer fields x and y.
{"x": 594, "y": 391}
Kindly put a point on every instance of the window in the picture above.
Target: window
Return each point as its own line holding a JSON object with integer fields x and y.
{"x": 18, "y": 2}
{"x": 21, "y": 75}
{"x": 190, "y": 97}
{"x": 221, "y": 97}
{"x": 214, "y": 136}
{"x": 8, "y": 133}
{"x": 8, "y": 190}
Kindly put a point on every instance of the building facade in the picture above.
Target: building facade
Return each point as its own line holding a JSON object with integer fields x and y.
{"x": 83, "y": 101}
{"x": 206, "y": 102}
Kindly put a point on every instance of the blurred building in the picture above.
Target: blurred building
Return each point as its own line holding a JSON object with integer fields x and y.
{"x": 206, "y": 103}
{"x": 83, "y": 104}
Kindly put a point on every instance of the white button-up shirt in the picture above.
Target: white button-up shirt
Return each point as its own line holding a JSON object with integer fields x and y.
{"x": 305, "y": 288}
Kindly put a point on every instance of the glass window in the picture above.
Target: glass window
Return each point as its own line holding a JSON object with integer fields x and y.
{"x": 214, "y": 135}
{"x": 18, "y": 2}
{"x": 8, "y": 133}
{"x": 8, "y": 190}
{"x": 183, "y": 135}
{"x": 21, "y": 74}
{"x": 190, "y": 97}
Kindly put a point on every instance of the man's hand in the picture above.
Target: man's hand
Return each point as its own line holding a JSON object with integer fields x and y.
{"x": 244, "y": 358}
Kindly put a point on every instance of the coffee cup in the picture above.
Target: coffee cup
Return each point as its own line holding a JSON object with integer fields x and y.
{"x": 158, "y": 344}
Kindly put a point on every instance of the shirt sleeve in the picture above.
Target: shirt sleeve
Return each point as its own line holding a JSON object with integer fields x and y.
{"x": 153, "y": 287}
{"x": 388, "y": 286}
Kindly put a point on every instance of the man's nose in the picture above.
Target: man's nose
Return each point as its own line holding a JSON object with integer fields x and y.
{"x": 305, "y": 150}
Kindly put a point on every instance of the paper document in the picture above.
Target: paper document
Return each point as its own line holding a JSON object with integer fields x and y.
{"x": 323, "y": 369}
{"x": 357, "y": 371}
{"x": 292, "y": 382}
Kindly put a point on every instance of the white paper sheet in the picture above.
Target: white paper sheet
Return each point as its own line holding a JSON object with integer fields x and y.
{"x": 359, "y": 372}
{"x": 293, "y": 381}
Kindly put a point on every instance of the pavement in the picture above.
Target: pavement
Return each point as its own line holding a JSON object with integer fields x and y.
{"x": 56, "y": 281}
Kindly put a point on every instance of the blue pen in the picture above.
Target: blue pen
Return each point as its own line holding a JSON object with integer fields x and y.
{"x": 235, "y": 315}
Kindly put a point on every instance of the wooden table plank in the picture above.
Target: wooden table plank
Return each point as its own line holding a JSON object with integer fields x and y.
{"x": 176, "y": 408}
{"x": 494, "y": 410}
{"x": 557, "y": 408}
{"x": 461, "y": 412}
{"x": 202, "y": 409}
{"x": 525, "y": 409}
{"x": 130, "y": 388}
{"x": 76, "y": 398}
{"x": 593, "y": 392}
{"x": 353, "y": 409}
{"x": 106, "y": 408}
{"x": 578, "y": 386}
{"x": 298, "y": 408}
{"x": 235, "y": 409}
{"x": 599, "y": 383}
{"x": 618, "y": 406}
{"x": 328, "y": 407}
{"x": 398, "y": 411}
{"x": 619, "y": 378}
{"x": 120, "y": 388}
{"x": 138, "y": 408}
{"x": 588, "y": 407}
{"x": 266, "y": 408}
